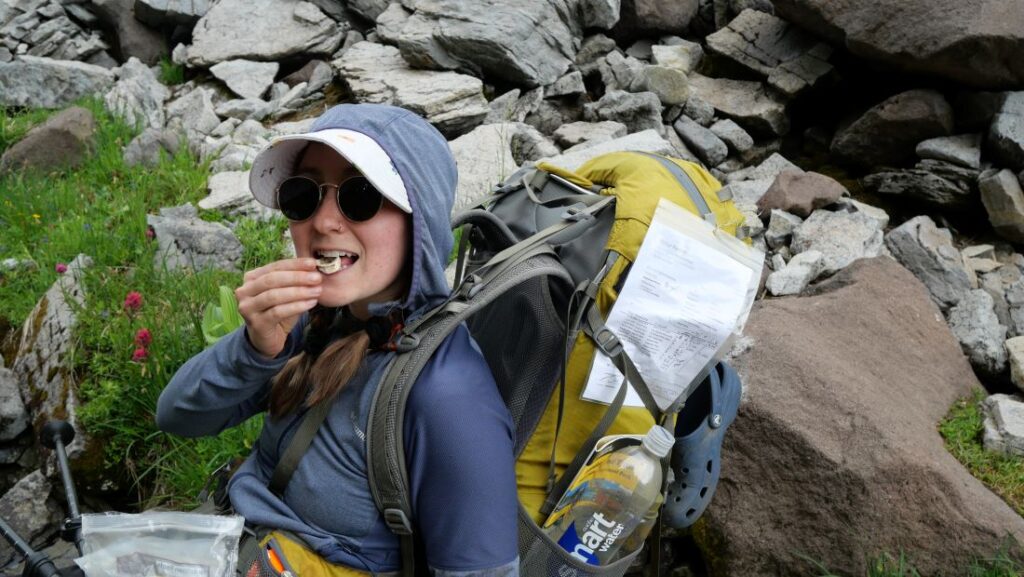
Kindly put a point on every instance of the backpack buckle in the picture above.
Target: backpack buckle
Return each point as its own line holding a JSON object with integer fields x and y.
{"x": 608, "y": 342}
{"x": 396, "y": 520}
{"x": 407, "y": 342}
{"x": 577, "y": 213}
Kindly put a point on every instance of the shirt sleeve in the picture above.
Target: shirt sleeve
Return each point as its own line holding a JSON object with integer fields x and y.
{"x": 222, "y": 386}
{"x": 459, "y": 453}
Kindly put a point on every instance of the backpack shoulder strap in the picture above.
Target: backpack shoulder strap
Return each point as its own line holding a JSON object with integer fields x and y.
{"x": 388, "y": 475}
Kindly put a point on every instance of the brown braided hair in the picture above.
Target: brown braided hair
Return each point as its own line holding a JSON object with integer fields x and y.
{"x": 320, "y": 371}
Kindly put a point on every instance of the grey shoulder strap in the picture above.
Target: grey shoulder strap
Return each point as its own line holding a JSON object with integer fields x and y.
{"x": 388, "y": 476}
{"x": 298, "y": 446}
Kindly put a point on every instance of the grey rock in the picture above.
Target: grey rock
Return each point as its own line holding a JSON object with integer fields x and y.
{"x": 1006, "y": 135}
{"x": 746, "y": 192}
{"x": 147, "y": 148}
{"x": 841, "y": 238}
{"x": 1004, "y": 202}
{"x": 974, "y": 323}
{"x": 1004, "y": 424}
{"x": 34, "y": 82}
{"x": 193, "y": 114}
{"x": 923, "y": 37}
{"x": 185, "y": 242}
{"x": 746, "y": 102}
{"x": 679, "y": 148}
{"x": 602, "y": 14}
{"x": 996, "y": 284}
{"x": 684, "y": 55}
{"x": 928, "y": 252}
{"x": 229, "y": 195}
{"x": 528, "y": 144}
{"x": 527, "y": 43}
{"x": 158, "y": 13}
{"x": 484, "y": 158}
{"x": 5, "y": 55}
{"x": 638, "y": 111}
{"x": 781, "y": 225}
{"x": 792, "y": 60}
{"x": 592, "y": 50}
{"x": 621, "y": 72}
{"x": 699, "y": 110}
{"x": 1015, "y": 354}
{"x": 888, "y": 133}
{"x": 655, "y": 16}
{"x": 138, "y": 97}
{"x": 641, "y": 49}
{"x": 244, "y": 108}
{"x": 64, "y": 141}
{"x": 702, "y": 141}
{"x": 797, "y": 274}
{"x": 134, "y": 38}
{"x": 548, "y": 115}
{"x": 669, "y": 84}
{"x": 43, "y": 365}
{"x": 246, "y": 78}
{"x": 644, "y": 141}
{"x": 569, "y": 85}
{"x": 13, "y": 416}
{"x": 962, "y": 149}
{"x": 576, "y": 133}
{"x": 770, "y": 168}
{"x": 733, "y": 135}
{"x": 264, "y": 30}
{"x": 850, "y": 205}
{"x": 922, "y": 185}
{"x": 369, "y": 9}
{"x": 453, "y": 102}
{"x": 30, "y": 508}
{"x": 504, "y": 109}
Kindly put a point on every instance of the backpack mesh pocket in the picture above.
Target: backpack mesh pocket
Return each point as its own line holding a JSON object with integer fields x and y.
{"x": 540, "y": 556}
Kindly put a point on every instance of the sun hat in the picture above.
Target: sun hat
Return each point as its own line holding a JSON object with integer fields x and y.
{"x": 277, "y": 162}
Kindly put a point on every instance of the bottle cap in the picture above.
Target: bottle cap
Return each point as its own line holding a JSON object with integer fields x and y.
{"x": 658, "y": 441}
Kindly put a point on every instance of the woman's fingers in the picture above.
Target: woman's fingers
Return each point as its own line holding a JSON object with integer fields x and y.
{"x": 272, "y": 297}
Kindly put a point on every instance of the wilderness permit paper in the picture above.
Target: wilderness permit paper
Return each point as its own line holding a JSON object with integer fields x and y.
{"x": 688, "y": 291}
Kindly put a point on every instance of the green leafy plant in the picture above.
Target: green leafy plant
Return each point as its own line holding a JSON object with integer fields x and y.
{"x": 171, "y": 74}
{"x": 221, "y": 320}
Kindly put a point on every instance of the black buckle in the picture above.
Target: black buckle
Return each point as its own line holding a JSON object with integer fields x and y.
{"x": 397, "y": 522}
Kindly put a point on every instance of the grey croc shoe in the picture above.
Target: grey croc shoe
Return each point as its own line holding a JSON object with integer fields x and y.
{"x": 697, "y": 454}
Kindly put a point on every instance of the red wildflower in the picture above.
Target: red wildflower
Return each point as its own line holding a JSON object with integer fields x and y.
{"x": 150, "y": 233}
{"x": 133, "y": 301}
{"x": 143, "y": 337}
{"x": 61, "y": 268}
{"x": 140, "y": 355}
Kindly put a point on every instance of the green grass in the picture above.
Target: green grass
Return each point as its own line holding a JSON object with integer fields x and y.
{"x": 100, "y": 209}
{"x": 901, "y": 565}
{"x": 962, "y": 430}
{"x": 171, "y": 74}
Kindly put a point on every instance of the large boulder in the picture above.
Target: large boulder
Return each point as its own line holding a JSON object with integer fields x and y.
{"x": 889, "y": 132}
{"x": 835, "y": 455}
{"x": 267, "y": 30}
{"x": 63, "y": 141}
{"x": 976, "y": 42}
{"x": 34, "y": 82}
{"x": 451, "y": 101}
{"x": 527, "y": 42}
{"x": 135, "y": 39}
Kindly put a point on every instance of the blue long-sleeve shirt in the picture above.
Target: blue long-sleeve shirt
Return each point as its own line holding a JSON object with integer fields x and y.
{"x": 458, "y": 438}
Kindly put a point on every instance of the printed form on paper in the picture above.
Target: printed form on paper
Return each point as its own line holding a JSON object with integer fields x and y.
{"x": 682, "y": 300}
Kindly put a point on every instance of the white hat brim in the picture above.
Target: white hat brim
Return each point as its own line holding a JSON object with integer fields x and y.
{"x": 277, "y": 162}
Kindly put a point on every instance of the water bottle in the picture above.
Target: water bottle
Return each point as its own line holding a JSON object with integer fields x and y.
{"x": 610, "y": 499}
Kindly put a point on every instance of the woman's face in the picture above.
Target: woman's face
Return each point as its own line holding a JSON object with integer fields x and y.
{"x": 379, "y": 245}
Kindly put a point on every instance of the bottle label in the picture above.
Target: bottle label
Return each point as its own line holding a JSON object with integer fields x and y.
{"x": 605, "y": 474}
{"x": 599, "y": 535}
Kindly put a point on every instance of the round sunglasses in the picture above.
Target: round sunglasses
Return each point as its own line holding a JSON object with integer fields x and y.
{"x": 299, "y": 197}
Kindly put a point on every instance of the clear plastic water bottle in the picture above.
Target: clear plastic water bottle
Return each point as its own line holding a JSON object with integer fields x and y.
{"x": 607, "y": 503}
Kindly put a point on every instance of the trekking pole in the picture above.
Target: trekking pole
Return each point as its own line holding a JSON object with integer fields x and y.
{"x": 55, "y": 435}
{"x": 36, "y": 564}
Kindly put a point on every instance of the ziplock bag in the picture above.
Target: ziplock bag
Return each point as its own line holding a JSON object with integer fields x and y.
{"x": 159, "y": 544}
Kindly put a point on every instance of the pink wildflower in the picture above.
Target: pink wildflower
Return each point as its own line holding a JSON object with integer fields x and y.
{"x": 133, "y": 301}
{"x": 150, "y": 233}
{"x": 61, "y": 268}
{"x": 140, "y": 355}
{"x": 143, "y": 337}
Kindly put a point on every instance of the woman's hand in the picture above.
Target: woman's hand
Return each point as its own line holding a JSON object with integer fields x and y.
{"x": 272, "y": 298}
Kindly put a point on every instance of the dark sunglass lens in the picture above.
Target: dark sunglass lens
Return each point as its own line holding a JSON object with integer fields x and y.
{"x": 359, "y": 200}
{"x": 298, "y": 198}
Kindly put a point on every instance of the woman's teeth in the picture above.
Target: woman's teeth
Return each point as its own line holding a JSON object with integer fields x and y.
{"x": 330, "y": 261}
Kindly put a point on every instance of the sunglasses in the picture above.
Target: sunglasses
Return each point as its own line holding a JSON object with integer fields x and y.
{"x": 299, "y": 197}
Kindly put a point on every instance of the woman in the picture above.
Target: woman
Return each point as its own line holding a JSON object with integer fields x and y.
{"x": 368, "y": 193}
